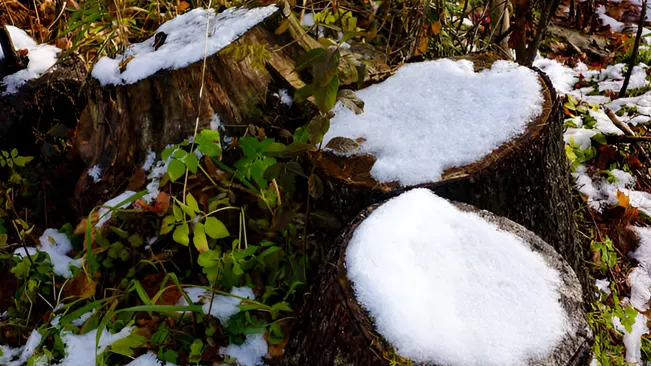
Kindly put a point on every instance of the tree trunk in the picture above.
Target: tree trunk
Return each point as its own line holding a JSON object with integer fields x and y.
{"x": 526, "y": 180}
{"x": 333, "y": 329}
{"x": 121, "y": 122}
{"x": 500, "y": 24}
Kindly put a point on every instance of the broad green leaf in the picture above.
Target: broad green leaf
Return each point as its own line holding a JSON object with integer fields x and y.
{"x": 188, "y": 210}
{"x": 191, "y": 162}
{"x": 181, "y": 234}
{"x": 304, "y": 93}
{"x": 210, "y": 258}
{"x": 325, "y": 97}
{"x": 215, "y": 228}
{"x": 317, "y": 128}
{"x": 310, "y": 57}
{"x": 176, "y": 169}
{"x": 178, "y": 213}
{"x": 192, "y": 202}
{"x": 199, "y": 238}
{"x": 210, "y": 148}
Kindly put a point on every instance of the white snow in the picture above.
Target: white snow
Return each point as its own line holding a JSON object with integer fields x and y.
{"x": 561, "y": 76}
{"x": 216, "y": 123}
{"x": 96, "y": 173}
{"x": 149, "y": 160}
{"x": 250, "y": 352}
{"x": 640, "y": 277}
{"x": 41, "y": 57}
{"x": 105, "y": 213}
{"x": 56, "y": 245}
{"x": 184, "y": 45}
{"x": 308, "y": 20}
{"x": 632, "y": 340}
{"x": 148, "y": 359}
{"x": 80, "y": 349}
{"x": 82, "y": 318}
{"x": 435, "y": 115}
{"x": 579, "y": 136}
{"x": 285, "y": 98}
{"x": 447, "y": 287}
{"x": 22, "y": 353}
{"x": 223, "y": 307}
{"x": 603, "y": 285}
{"x": 615, "y": 25}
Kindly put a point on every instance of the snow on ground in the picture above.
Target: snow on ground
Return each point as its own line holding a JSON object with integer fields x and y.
{"x": 96, "y": 173}
{"x": 615, "y": 25}
{"x": 56, "y": 245}
{"x": 105, "y": 213}
{"x": 632, "y": 340}
{"x": 250, "y": 352}
{"x": 435, "y": 115}
{"x": 184, "y": 45}
{"x": 41, "y": 57}
{"x": 80, "y": 349}
{"x": 148, "y": 359}
{"x": 18, "y": 356}
{"x": 418, "y": 247}
{"x": 223, "y": 307}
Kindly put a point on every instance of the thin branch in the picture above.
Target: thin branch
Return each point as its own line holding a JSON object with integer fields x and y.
{"x": 636, "y": 46}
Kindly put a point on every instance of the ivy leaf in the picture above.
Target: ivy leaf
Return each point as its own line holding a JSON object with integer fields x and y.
{"x": 209, "y": 258}
{"x": 199, "y": 238}
{"x": 176, "y": 169}
{"x": 181, "y": 234}
{"x": 215, "y": 228}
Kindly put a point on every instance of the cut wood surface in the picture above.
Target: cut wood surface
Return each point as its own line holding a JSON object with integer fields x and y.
{"x": 333, "y": 329}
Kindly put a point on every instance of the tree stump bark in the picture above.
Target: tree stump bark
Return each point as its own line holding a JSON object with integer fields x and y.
{"x": 42, "y": 102}
{"x": 121, "y": 122}
{"x": 526, "y": 180}
{"x": 333, "y": 329}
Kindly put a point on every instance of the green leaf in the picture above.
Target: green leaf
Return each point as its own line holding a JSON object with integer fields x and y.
{"x": 309, "y": 58}
{"x": 178, "y": 213}
{"x": 215, "y": 228}
{"x": 176, "y": 169}
{"x": 281, "y": 306}
{"x": 600, "y": 138}
{"x": 210, "y": 148}
{"x": 167, "y": 224}
{"x": 304, "y": 93}
{"x": 326, "y": 97}
{"x": 181, "y": 234}
{"x": 188, "y": 211}
{"x": 192, "y": 202}
{"x": 196, "y": 348}
{"x": 210, "y": 258}
{"x": 199, "y": 238}
{"x": 317, "y": 128}
{"x": 14, "y": 153}
{"x": 167, "y": 152}
{"x": 191, "y": 162}
{"x": 126, "y": 346}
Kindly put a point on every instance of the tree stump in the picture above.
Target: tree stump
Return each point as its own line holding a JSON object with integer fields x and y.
{"x": 334, "y": 329}
{"x": 121, "y": 122}
{"x": 526, "y": 180}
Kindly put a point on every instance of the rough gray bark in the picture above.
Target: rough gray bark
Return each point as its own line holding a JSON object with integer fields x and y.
{"x": 333, "y": 329}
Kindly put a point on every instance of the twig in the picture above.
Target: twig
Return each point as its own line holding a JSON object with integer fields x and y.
{"x": 636, "y": 46}
{"x": 627, "y": 130}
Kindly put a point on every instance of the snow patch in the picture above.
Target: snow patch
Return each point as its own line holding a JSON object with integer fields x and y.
{"x": 22, "y": 353}
{"x": 250, "y": 352}
{"x": 426, "y": 247}
{"x": 41, "y": 57}
{"x": 416, "y": 131}
{"x": 96, "y": 173}
{"x": 632, "y": 340}
{"x": 56, "y": 245}
{"x": 105, "y": 213}
{"x": 185, "y": 43}
{"x": 223, "y": 307}
{"x": 80, "y": 349}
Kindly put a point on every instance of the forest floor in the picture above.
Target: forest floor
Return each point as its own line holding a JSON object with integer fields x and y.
{"x": 136, "y": 281}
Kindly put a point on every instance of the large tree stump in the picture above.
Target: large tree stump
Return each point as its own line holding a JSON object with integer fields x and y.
{"x": 334, "y": 329}
{"x": 526, "y": 180}
{"x": 121, "y": 122}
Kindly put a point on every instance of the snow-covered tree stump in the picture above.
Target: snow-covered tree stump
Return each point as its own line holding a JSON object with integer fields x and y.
{"x": 418, "y": 278}
{"x": 34, "y": 92}
{"x": 150, "y": 96}
{"x": 490, "y": 138}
